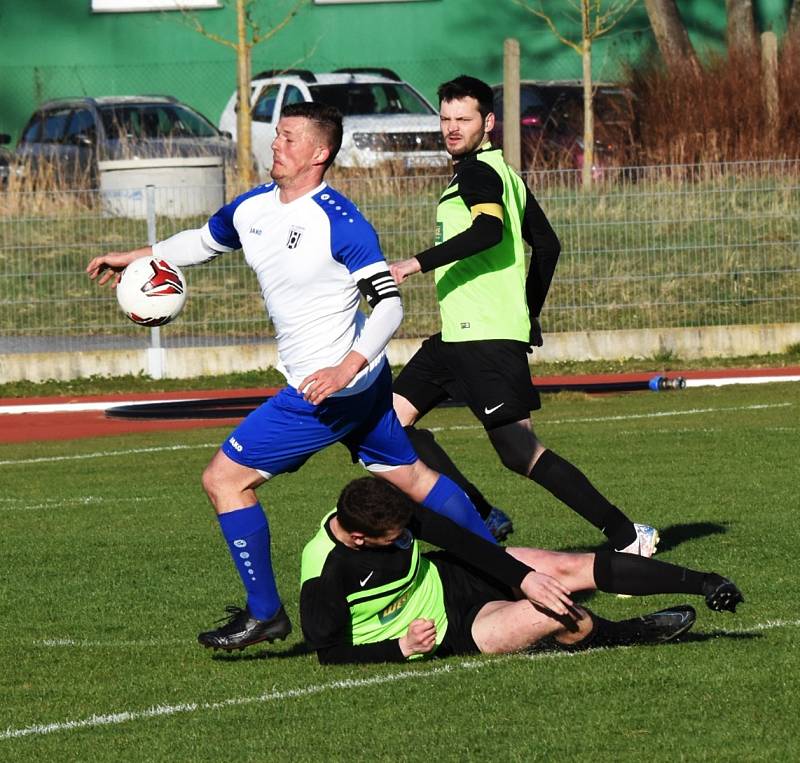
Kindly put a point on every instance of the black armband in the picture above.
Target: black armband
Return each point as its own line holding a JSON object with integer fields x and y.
{"x": 378, "y": 287}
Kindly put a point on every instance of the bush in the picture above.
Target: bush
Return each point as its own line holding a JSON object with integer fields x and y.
{"x": 716, "y": 114}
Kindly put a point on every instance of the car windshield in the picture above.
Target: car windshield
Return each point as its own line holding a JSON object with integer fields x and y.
{"x": 356, "y": 98}
{"x": 149, "y": 120}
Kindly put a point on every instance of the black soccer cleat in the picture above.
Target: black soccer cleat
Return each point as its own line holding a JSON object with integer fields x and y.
{"x": 242, "y": 630}
{"x": 657, "y": 627}
{"x": 721, "y": 594}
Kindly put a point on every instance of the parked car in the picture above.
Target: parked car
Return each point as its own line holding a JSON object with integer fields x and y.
{"x": 5, "y": 159}
{"x": 551, "y": 123}
{"x": 70, "y": 135}
{"x": 385, "y": 119}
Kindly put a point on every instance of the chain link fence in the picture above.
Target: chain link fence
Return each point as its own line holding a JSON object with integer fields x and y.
{"x": 686, "y": 246}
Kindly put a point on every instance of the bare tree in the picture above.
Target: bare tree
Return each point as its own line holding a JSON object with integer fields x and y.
{"x": 671, "y": 35}
{"x": 741, "y": 25}
{"x": 597, "y": 19}
{"x": 248, "y": 34}
{"x": 794, "y": 18}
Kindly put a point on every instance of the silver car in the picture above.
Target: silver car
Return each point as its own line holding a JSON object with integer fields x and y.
{"x": 385, "y": 119}
{"x": 69, "y": 136}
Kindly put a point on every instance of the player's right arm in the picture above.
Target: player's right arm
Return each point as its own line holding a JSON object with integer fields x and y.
{"x": 109, "y": 266}
{"x": 481, "y": 189}
{"x": 189, "y": 247}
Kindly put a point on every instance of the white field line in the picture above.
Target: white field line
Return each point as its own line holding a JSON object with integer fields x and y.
{"x": 79, "y": 407}
{"x": 586, "y": 420}
{"x": 18, "y": 504}
{"x": 105, "y": 453}
{"x": 739, "y": 380}
{"x": 691, "y": 430}
{"x": 631, "y": 416}
{"x": 54, "y": 643}
{"x": 160, "y": 711}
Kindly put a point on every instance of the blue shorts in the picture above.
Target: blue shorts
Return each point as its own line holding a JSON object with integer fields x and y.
{"x": 283, "y": 433}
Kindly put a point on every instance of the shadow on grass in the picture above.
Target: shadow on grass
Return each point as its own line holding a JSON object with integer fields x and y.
{"x": 675, "y": 535}
{"x": 547, "y": 647}
{"x": 719, "y": 634}
{"x": 299, "y": 650}
{"x": 672, "y": 536}
{"x": 296, "y": 650}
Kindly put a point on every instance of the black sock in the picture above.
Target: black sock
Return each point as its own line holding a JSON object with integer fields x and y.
{"x": 432, "y": 454}
{"x": 570, "y": 486}
{"x": 603, "y": 633}
{"x": 612, "y": 633}
{"x": 627, "y": 573}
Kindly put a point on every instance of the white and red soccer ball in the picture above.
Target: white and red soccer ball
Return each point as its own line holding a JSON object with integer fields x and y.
{"x": 151, "y": 291}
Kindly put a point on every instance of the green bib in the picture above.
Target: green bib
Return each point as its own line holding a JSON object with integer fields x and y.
{"x": 378, "y": 613}
{"x": 483, "y": 296}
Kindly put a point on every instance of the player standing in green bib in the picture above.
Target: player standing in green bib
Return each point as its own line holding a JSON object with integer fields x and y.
{"x": 490, "y": 318}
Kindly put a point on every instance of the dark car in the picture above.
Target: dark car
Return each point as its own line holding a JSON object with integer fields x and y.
{"x": 5, "y": 159}
{"x": 67, "y": 137}
{"x": 551, "y": 124}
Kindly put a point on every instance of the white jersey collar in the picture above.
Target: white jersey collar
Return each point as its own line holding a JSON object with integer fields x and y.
{"x": 312, "y": 192}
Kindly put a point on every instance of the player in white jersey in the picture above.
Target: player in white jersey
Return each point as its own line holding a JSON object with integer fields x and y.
{"x": 315, "y": 256}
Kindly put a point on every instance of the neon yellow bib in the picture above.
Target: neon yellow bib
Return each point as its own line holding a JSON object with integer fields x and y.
{"x": 483, "y": 296}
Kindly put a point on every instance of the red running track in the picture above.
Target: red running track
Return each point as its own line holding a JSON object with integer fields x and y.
{"x": 71, "y": 425}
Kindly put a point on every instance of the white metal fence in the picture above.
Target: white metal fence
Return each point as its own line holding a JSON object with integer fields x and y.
{"x": 647, "y": 248}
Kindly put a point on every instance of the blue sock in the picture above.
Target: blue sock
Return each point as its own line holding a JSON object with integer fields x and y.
{"x": 247, "y": 532}
{"x": 449, "y": 500}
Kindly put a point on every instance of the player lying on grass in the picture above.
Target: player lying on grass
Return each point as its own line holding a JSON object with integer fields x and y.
{"x": 370, "y": 595}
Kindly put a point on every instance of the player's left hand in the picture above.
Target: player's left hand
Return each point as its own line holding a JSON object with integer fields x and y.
{"x": 323, "y": 383}
{"x": 420, "y": 637}
{"x": 547, "y": 592}
{"x": 535, "y": 339}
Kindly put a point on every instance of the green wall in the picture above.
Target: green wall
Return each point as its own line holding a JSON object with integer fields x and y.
{"x": 52, "y": 48}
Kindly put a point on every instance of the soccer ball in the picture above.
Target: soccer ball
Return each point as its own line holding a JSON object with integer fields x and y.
{"x": 151, "y": 291}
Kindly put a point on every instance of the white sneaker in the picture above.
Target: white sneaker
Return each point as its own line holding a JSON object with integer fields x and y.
{"x": 645, "y": 543}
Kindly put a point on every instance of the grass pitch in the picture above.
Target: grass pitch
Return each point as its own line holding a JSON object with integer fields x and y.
{"x": 112, "y": 563}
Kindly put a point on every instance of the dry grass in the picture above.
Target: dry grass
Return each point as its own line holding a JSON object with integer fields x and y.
{"x": 46, "y": 188}
{"x": 717, "y": 114}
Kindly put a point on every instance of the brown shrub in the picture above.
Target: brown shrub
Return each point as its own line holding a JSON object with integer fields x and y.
{"x": 684, "y": 116}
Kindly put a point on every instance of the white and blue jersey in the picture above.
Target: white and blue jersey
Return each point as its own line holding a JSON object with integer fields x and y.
{"x": 308, "y": 256}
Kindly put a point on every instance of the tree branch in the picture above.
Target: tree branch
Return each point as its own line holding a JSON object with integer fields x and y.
{"x": 550, "y": 23}
{"x": 191, "y": 20}
{"x": 259, "y": 38}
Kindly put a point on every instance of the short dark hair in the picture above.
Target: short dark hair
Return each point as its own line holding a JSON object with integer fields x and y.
{"x": 326, "y": 119}
{"x": 465, "y": 86}
{"x": 373, "y": 507}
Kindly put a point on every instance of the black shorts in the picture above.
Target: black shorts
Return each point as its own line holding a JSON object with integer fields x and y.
{"x": 490, "y": 375}
{"x": 466, "y": 591}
